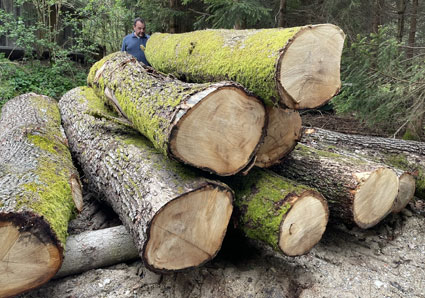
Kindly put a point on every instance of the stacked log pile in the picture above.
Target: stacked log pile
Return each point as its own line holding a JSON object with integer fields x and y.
{"x": 174, "y": 158}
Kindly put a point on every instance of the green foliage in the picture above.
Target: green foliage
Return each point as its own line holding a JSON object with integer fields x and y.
{"x": 381, "y": 86}
{"x": 52, "y": 79}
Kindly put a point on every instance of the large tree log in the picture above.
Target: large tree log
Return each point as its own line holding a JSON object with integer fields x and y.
{"x": 282, "y": 134}
{"x": 299, "y": 67}
{"x": 216, "y": 126}
{"x": 176, "y": 218}
{"x": 96, "y": 249}
{"x": 357, "y": 190}
{"x": 285, "y": 215}
{"x": 38, "y": 183}
{"x": 406, "y": 155}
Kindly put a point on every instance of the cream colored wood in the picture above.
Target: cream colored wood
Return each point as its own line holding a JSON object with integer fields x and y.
{"x": 303, "y": 226}
{"x": 283, "y": 132}
{"x": 77, "y": 192}
{"x": 405, "y": 192}
{"x": 375, "y": 197}
{"x": 25, "y": 261}
{"x": 310, "y": 66}
{"x": 224, "y": 128}
{"x": 188, "y": 230}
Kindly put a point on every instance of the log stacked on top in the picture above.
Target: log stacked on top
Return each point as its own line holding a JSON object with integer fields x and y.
{"x": 38, "y": 187}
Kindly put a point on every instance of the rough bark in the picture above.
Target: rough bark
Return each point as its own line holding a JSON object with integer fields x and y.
{"x": 282, "y": 134}
{"x": 38, "y": 184}
{"x": 299, "y": 67}
{"x": 97, "y": 249}
{"x": 176, "y": 218}
{"x": 408, "y": 156}
{"x": 288, "y": 216}
{"x": 215, "y": 126}
{"x": 401, "y": 9}
{"x": 358, "y": 191}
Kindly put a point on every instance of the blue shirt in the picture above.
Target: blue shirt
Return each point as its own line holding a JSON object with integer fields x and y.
{"x": 135, "y": 46}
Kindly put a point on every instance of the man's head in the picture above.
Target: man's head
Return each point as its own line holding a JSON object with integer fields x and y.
{"x": 139, "y": 27}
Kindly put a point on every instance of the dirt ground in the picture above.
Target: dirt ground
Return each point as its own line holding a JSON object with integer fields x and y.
{"x": 387, "y": 260}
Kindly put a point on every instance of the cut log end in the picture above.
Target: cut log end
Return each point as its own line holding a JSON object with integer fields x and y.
{"x": 189, "y": 230}
{"x": 283, "y": 132}
{"x": 375, "y": 197}
{"x": 308, "y": 73}
{"x": 304, "y": 224}
{"x": 221, "y": 133}
{"x": 26, "y": 261}
{"x": 405, "y": 193}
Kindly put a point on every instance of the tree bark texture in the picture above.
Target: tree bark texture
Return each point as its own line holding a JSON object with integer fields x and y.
{"x": 298, "y": 67}
{"x": 38, "y": 184}
{"x": 288, "y": 216}
{"x": 412, "y": 29}
{"x": 97, "y": 249}
{"x": 401, "y": 9}
{"x": 215, "y": 126}
{"x": 357, "y": 191}
{"x": 142, "y": 185}
{"x": 408, "y": 156}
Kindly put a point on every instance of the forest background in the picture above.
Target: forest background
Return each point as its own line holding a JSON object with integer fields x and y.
{"x": 382, "y": 68}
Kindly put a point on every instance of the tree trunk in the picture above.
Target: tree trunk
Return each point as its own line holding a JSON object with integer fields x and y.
{"x": 287, "y": 216}
{"x": 357, "y": 191}
{"x": 401, "y": 9}
{"x": 216, "y": 126}
{"x": 96, "y": 249}
{"x": 412, "y": 30}
{"x": 282, "y": 134}
{"x": 282, "y": 12}
{"x": 38, "y": 183}
{"x": 378, "y": 15}
{"x": 176, "y": 218}
{"x": 405, "y": 155}
{"x": 172, "y": 24}
{"x": 300, "y": 67}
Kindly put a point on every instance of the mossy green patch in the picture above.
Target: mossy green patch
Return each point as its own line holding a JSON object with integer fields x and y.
{"x": 261, "y": 198}
{"x": 50, "y": 196}
{"x": 248, "y": 58}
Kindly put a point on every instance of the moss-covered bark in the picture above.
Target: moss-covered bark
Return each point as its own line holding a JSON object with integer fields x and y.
{"x": 405, "y": 155}
{"x": 156, "y": 105}
{"x": 37, "y": 178}
{"x": 263, "y": 201}
{"x": 249, "y": 57}
{"x": 135, "y": 179}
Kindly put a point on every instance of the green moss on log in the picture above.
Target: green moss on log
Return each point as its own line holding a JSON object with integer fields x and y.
{"x": 262, "y": 199}
{"x": 211, "y": 55}
{"x": 138, "y": 95}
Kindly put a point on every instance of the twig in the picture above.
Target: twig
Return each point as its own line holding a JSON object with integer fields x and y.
{"x": 398, "y": 130}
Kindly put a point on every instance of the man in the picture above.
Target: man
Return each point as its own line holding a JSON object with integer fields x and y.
{"x": 135, "y": 43}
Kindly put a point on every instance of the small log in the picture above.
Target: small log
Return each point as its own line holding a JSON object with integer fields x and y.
{"x": 285, "y": 215}
{"x": 177, "y": 219}
{"x": 216, "y": 127}
{"x": 38, "y": 186}
{"x": 298, "y": 67}
{"x": 97, "y": 249}
{"x": 357, "y": 190}
{"x": 405, "y": 155}
{"x": 282, "y": 134}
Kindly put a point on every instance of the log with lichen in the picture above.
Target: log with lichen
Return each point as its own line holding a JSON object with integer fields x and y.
{"x": 287, "y": 216}
{"x": 282, "y": 135}
{"x": 298, "y": 67}
{"x": 357, "y": 190}
{"x": 177, "y": 218}
{"x": 216, "y": 127}
{"x": 38, "y": 186}
{"x": 408, "y": 156}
